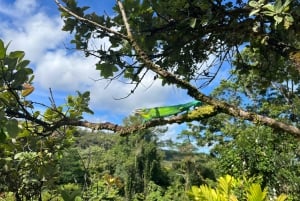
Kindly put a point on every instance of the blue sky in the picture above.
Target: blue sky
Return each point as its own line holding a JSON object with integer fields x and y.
{"x": 34, "y": 26}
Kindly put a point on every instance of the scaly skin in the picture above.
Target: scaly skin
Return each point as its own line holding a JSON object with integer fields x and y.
{"x": 166, "y": 111}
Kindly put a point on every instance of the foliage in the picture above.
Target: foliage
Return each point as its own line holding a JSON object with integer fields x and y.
{"x": 279, "y": 11}
{"x": 230, "y": 188}
{"x": 107, "y": 188}
{"x": 31, "y": 141}
{"x": 132, "y": 168}
{"x": 70, "y": 167}
{"x": 242, "y": 148}
{"x": 70, "y": 192}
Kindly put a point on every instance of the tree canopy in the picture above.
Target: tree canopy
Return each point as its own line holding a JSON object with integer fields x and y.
{"x": 186, "y": 43}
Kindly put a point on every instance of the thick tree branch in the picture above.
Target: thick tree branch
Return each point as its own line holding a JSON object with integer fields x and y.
{"x": 121, "y": 130}
{"x": 126, "y": 130}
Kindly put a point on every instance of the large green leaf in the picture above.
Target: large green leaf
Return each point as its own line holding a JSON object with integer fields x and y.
{"x": 23, "y": 64}
{"x": 17, "y": 54}
{"x": 282, "y": 197}
{"x": 255, "y": 193}
{"x": 2, "y": 50}
{"x": 12, "y": 128}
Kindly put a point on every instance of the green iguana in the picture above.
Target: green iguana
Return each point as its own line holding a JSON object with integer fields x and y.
{"x": 166, "y": 111}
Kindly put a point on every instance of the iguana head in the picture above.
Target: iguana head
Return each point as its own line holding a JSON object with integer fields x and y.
{"x": 197, "y": 103}
{"x": 143, "y": 113}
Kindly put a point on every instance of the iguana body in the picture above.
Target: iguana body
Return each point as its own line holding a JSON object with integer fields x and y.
{"x": 166, "y": 111}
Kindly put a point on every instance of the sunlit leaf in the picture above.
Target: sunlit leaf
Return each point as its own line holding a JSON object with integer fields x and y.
{"x": 269, "y": 7}
{"x": 253, "y": 4}
{"x": 253, "y": 12}
{"x": 282, "y": 197}
{"x": 255, "y": 193}
{"x": 193, "y": 22}
{"x": 278, "y": 19}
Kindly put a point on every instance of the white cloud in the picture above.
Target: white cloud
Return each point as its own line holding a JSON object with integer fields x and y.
{"x": 155, "y": 95}
{"x": 35, "y": 35}
{"x": 25, "y": 7}
{"x": 64, "y": 72}
{"x": 18, "y": 8}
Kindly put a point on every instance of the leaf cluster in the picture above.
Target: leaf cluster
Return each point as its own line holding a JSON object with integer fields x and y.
{"x": 230, "y": 188}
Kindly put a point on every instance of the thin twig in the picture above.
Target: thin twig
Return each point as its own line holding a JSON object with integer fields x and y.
{"x": 104, "y": 28}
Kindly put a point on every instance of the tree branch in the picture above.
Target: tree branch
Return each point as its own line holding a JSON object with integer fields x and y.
{"x": 104, "y": 28}
{"x": 126, "y": 130}
{"x": 49, "y": 128}
{"x": 192, "y": 91}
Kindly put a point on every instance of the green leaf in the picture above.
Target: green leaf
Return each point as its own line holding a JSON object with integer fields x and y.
{"x": 253, "y": 4}
{"x": 278, "y": 6}
{"x": 19, "y": 78}
{"x": 256, "y": 193}
{"x": 2, "y": 50}
{"x": 24, "y": 133}
{"x": 17, "y": 54}
{"x": 286, "y": 6}
{"x": 11, "y": 63}
{"x": 193, "y": 22}
{"x": 69, "y": 25}
{"x": 269, "y": 13}
{"x": 18, "y": 155}
{"x": 288, "y": 21}
{"x": 269, "y": 7}
{"x": 282, "y": 197}
{"x": 253, "y": 12}
{"x": 23, "y": 64}
{"x": 278, "y": 19}
{"x": 86, "y": 95}
{"x": 70, "y": 191}
{"x": 12, "y": 128}
{"x": 106, "y": 69}
{"x": 226, "y": 183}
